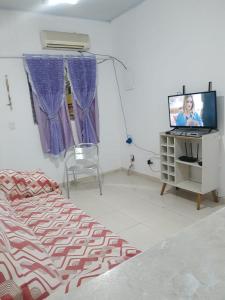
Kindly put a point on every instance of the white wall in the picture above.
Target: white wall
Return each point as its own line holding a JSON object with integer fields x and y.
{"x": 20, "y": 148}
{"x": 167, "y": 44}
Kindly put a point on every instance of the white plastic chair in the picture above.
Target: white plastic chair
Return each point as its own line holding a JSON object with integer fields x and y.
{"x": 83, "y": 158}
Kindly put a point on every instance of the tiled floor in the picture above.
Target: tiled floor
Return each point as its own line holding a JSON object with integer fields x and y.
{"x": 132, "y": 207}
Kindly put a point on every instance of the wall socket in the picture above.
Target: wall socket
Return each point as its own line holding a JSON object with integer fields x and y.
{"x": 149, "y": 162}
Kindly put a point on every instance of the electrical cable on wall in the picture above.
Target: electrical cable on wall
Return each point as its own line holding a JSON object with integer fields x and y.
{"x": 110, "y": 57}
{"x": 129, "y": 139}
{"x": 150, "y": 163}
{"x": 146, "y": 150}
{"x": 120, "y": 97}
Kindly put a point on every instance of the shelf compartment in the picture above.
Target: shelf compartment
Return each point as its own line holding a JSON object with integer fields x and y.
{"x": 187, "y": 174}
{"x": 171, "y": 178}
{"x": 171, "y": 141}
{"x": 195, "y": 164}
{"x": 171, "y": 160}
{"x": 164, "y": 159}
{"x": 190, "y": 186}
{"x": 164, "y": 149}
{"x": 164, "y": 177}
{"x": 171, "y": 151}
{"x": 171, "y": 170}
{"x": 164, "y": 168}
{"x": 163, "y": 140}
{"x": 193, "y": 148}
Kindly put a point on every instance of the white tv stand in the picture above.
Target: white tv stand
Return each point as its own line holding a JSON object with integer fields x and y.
{"x": 188, "y": 175}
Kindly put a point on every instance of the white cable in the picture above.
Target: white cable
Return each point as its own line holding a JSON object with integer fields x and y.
{"x": 123, "y": 111}
{"x": 155, "y": 171}
{"x": 109, "y": 57}
{"x": 120, "y": 97}
{"x": 146, "y": 150}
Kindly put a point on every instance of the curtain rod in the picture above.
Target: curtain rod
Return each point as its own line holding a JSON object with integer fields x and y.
{"x": 40, "y": 55}
{"x": 100, "y": 60}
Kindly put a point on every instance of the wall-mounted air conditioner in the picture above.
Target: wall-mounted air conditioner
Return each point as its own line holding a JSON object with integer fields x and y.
{"x": 64, "y": 40}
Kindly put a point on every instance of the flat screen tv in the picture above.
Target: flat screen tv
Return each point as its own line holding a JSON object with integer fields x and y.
{"x": 196, "y": 110}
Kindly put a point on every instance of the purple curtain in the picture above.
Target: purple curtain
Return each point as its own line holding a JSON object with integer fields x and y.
{"x": 46, "y": 75}
{"x": 82, "y": 72}
{"x": 43, "y": 125}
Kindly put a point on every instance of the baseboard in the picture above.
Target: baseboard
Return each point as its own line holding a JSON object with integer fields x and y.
{"x": 92, "y": 177}
{"x": 155, "y": 179}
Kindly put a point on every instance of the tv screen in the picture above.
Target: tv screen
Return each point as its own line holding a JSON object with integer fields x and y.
{"x": 193, "y": 110}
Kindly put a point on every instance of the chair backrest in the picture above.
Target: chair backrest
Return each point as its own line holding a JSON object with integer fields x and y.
{"x": 83, "y": 155}
{"x": 86, "y": 151}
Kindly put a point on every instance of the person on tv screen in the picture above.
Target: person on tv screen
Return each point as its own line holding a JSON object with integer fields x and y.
{"x": 188, "y": 117}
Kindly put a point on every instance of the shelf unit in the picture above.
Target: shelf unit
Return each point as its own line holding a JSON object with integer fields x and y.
{"x": 167, "y": 152}
{"x": 186, "y": 175}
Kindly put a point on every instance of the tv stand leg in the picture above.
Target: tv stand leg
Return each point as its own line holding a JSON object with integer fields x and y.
{"x": 163, "y": 189}
{"x": 215, "y": 197}
{"x": 199, "y": 200}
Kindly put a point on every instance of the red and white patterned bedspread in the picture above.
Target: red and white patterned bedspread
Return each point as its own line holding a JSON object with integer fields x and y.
{"x": 78, "y": 246}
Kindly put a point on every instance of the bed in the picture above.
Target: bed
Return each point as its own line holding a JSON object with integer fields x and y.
{"x": 47, "y": 243}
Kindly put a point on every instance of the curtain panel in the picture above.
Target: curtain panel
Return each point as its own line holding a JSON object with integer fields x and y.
{"x": 46, "y": 75}
{"x": 82, "y": 74}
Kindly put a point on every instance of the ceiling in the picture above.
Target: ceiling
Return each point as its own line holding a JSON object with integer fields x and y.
{"x": 102, "y": 10}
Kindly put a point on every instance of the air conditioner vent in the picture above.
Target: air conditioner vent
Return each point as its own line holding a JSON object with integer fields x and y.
{"x": 64, "y": 40}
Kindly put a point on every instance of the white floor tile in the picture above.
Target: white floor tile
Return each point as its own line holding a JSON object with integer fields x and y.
{"x": 141, "y": 236}
{"x": 117, "y": 221}
{"x": 132, "y": 206}
{"x": 96, "y": 208}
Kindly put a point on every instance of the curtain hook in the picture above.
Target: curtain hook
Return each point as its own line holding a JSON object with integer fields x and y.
{"x": 8, "y": 92}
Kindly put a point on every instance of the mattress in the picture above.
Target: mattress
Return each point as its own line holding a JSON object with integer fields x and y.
{"x": 79, "y": 247}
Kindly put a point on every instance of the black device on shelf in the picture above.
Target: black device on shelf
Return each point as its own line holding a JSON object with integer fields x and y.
{"x": 189, "y": 158}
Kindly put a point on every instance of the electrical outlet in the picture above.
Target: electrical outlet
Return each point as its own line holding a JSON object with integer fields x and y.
{"x": 149, "y": 162}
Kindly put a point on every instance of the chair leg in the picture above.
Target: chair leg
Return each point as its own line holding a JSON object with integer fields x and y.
{"x": 74, "y": 177}
{"x": 99, "y": 181}
{"x": 67, "y": 184}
